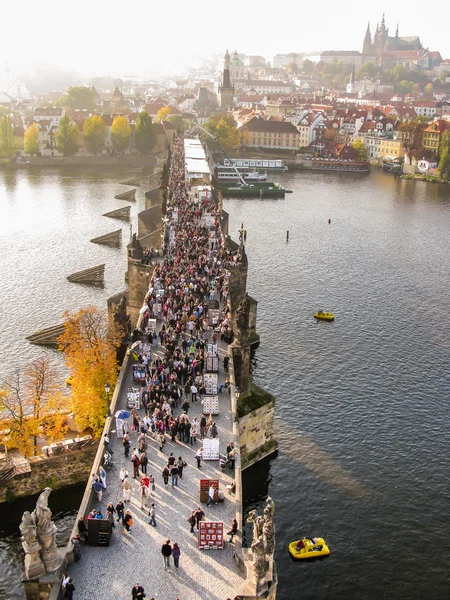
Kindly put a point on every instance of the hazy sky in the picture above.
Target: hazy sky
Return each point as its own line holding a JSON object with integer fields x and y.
{"x": 120, "y": 38}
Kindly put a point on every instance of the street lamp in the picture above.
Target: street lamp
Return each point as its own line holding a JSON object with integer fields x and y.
{"x": 107, "y": 390}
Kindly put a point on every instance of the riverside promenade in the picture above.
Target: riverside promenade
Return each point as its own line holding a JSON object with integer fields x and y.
{"x": 135, "y": 557}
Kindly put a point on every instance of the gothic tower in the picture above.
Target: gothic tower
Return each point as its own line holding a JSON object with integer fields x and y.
{"x": 226, "y": 89}
{"x": 367, "y": 46}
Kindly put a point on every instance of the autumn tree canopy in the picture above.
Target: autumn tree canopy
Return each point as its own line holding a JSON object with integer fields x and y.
{"x": 225, "y": 131}
{"x": 163, "y": 113}
{"x": 33, "y": 405}
{"x": 94, "y": 133}
{"x": 120, "y": 133}
{"x": 31, "y": 139}
{"x": 90, "y": 343}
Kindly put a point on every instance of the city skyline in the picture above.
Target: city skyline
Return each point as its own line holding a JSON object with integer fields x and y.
{"x": 102, "y": 39}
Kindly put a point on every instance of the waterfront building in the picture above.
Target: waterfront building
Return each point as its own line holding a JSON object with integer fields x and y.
{"x": 307, "y": 128}
{"x": 271, "y": 134}
{"x": 432, "y": 135}
{"x": 391, "y": 149}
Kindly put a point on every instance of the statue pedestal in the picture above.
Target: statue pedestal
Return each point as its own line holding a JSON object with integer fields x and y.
{"x": 50, "y": 553}
{"x": 241, "y": 365}
{"x": 34, "y": 567}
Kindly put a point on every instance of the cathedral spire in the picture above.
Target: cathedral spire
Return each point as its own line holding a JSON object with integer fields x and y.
{"x": 226, "y": 60}
{"x": 367, "y": 45}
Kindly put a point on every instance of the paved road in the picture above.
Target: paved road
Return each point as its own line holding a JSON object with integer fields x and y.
{"x": 105, "y": 573}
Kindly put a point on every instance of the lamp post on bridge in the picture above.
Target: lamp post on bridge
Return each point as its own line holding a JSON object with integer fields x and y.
{"x": 107, "y": 390}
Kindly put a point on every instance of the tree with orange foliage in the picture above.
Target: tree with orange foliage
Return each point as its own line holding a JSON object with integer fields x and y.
{"x": 90, "y": 343}
{"x": 163, "y": 113}
{"x": 32, "y": 403}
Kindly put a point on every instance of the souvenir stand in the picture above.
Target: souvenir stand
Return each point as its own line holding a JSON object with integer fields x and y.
{"x": 210, "y": 535}
{"x": 211, "y": 449}
{"x": 210, "y": 403}
{"x": 133, "y": 398}
{"x": 205, "y": 484}
{"x": 139, "y": 373}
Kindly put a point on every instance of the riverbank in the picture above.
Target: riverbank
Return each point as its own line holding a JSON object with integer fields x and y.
{"x": 424, "y": 177}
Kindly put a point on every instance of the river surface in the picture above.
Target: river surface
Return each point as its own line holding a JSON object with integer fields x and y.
{"x": 362, "y": 403}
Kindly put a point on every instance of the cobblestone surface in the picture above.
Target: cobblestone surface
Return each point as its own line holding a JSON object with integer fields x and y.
{"x": 135, "y": 557}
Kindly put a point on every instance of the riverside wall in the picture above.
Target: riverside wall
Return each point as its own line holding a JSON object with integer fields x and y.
{"x": 30, "y": 476}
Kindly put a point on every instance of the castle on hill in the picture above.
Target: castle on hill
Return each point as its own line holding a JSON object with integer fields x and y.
{"x": 382, "y": 42}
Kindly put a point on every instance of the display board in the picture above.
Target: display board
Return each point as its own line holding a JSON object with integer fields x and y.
{"x": 210, "y": 382}
{"x": 211, "y": 449}
{"x": 205, "y": 484}
{"x": 212, "y": 363}
{"x": 133, "y": 398}
{"x": 211, "y": 405}
{"x": 212, "y": 349}
{"x": 151, "y": 325}
{"x": 210, "y": 535}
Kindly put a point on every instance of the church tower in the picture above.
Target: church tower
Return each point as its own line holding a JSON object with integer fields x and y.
{"x": 226, "y": 89}
{"x": 351, "y": 83}
{"x": 367, "y": 46}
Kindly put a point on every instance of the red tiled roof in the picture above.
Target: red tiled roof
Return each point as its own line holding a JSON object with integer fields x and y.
{"x": 271, "y": 126}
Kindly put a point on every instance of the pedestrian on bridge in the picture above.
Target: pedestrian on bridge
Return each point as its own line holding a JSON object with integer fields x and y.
{"x": 166, "y": 551}
{"x": 126, "y": 489}
{"x": 137, "y": 593}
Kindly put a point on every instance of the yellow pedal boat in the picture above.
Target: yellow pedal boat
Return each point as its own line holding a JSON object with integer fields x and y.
{"x": 325, "y": 316}
{"x": 308, "y": 548}
{"x": 69, "y": 380}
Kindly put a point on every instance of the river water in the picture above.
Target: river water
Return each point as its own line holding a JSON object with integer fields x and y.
{"x": 362, "y": 403}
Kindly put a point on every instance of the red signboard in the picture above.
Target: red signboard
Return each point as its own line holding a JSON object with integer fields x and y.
{"x": 205, "y": 484}
{"x": 210, "y": 535}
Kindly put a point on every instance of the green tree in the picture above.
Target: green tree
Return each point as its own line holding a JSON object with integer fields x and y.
{"x": 360, "y": 148}
{"x": 428, "y": 91}
{"x": 66, "y": 137}
{"x": 405, "y": 87}
{"x": 224, "y": 129}
{"x": 412, "y": 133}
{"x": 178, "y": 122}
{"x": 144, "y": 134}
{"x": 6, "y": 137}
{"x": 444, "y": 164}
{"x": 120, "y": 133}
{"x": 94, "y": 133}
{"x": 78, "y": 98}
{"x": 307, "y": 66}
{"x": 368, "y": 70}
{"x": 31, "y": 139}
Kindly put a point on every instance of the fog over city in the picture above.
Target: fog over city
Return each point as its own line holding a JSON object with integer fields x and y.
{"x": 163, "y": 39}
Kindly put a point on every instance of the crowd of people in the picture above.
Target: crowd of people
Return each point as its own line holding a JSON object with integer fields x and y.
{"x": 189, "y": 279}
